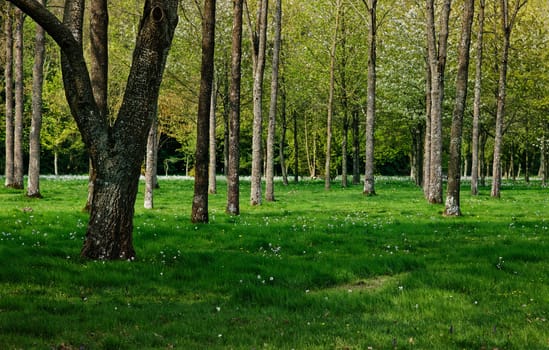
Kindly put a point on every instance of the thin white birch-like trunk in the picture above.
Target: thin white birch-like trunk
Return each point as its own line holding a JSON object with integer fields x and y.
{"x": 212, "y": 183}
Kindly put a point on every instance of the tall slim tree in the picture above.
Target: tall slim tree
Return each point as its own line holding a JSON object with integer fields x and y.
{"x": 269, "y": 173}
{"x": 369, "y": 188}
{"x": 233, "y": 182}
{"x": 330, "y": 114}
{"x": 477, "y": 101}
{"x": 18, "y": 162}
{"x": 200, "y": 199}
{"x": 437, "y": 51}
{"x": 8, "y": 77}
{"x": 117, "y": 150}
{"x": 212, "y": 183}
{"x": 454, "y": 163}
{"x": 33, "y": 187}
{"x": 508, "y": 19}
{"x": 259, "y": 45}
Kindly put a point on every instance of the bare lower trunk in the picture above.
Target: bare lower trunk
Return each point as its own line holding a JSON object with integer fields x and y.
{"x": 282, "y": 145}
{"x": 369, "y": 188}
{"x": 8, "y": 76}
{"x": 33, "y": 188}
{"x": 233, "y": 182}
{"x": 150, "y": 166}
{"x": 212, "y": 183}
{"x": 356, "y": 147}
{"x": 296, "y": 150}
{"x": 18, "y": 166}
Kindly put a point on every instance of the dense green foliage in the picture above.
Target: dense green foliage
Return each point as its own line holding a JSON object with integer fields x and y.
{"x": 313, "y": 270}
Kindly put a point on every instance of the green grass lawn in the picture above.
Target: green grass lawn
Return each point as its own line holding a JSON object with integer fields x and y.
{"x": 314, "y": 270}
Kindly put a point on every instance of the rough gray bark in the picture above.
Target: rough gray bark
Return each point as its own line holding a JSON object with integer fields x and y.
{"x": 8, "y": 76}
{"x": 330, "y": 113}
{"x": 18, "y": 163}
{"x": 259, "y": 44}
{"x": 369, "y": 186}
{"x": 356, "y": 146}
{"x": 151, "y": 165}
{"x": 212, "y": 183}
{"x": 507, "y": 23}
{"x": 437, "y": 51}
{"x": 269, "y": 173}
{"x": 33, "y": 186}
{"x": 200, "y": 199}
{"x": 117, "y": 151}
{"x": 233, "y": 182}
{"x": 426, "y": 183}
{"x": 454, "y": 164}
{"x": 282, "y": 145}
{"x": 344, "y": 104}
{"x": 476, "y": 102}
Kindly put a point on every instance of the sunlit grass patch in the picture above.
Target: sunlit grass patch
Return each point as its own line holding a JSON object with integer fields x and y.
{"x": 314, "y": 270}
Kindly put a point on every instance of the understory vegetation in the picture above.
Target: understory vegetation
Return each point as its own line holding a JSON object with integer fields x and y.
{"x": 314, "y": 270}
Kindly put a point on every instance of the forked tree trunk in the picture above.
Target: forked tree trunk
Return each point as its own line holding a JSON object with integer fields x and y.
{"x": 477, "y": 101}
{"x": 269, "y": 173}
{"x": 33, "y": 187}
{"x": 454, "y": 171}
{"x": 8, "y": 76}
{"x": 200, "y": 199}
{"x": 18, "y": 166}
{"x": 233, "y": 182}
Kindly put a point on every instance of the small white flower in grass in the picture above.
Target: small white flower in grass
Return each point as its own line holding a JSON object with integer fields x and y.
{"x": 271, "y": 278}
{"x": 401, "y": 288}
{"x": 219, "y": 335}
{"x": 218, "y": 308}
{"x": 161, "y": 273}
{"x": 258, "y": 277}
{"x": 306, "y": 291}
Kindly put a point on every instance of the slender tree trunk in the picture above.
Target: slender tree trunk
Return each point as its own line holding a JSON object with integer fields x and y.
{"x": 507, "y": 23}
{"x": 200, "y": 199}
{"x": 369, "y": 188}
{"x": 417, "y": 153}
{"x": 212, "y": 183}
{"x": 427, "y": 136}
{"x": 356, "y": 147}
{"x": 233, "y": 182}
{"x": 282, "y": 145}
{"x": 454, "y": 164}
{"x": 259, "y": 41}
{"x": 344, "y": 103}
{"x": 296, "y": 150}
{"x": 8, "y": 76}
{"x": 150, "y": 165}
{"x": 437, "y": 62}
{"x": 477, "y": 101}
{"x": 331, "y": 98}
{"x": 269, "y": 174}
{"x": 18, "y": 163}
{"x": 33, "y": 188}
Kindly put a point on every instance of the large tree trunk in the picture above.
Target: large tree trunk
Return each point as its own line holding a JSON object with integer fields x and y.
{"x": 33, "y": 187}
{"x": 18, "y": 163}
{"x": 8, "y": 76}
{"x": 369, "y": 188}
{"x": 437, "y": 52}
{"x": 476, "y": 102}
{"x": 212, "y": 183}
{"x": 200, "y": 199}
{"x": 330, "y": 113}
{"x": 507, "y": 23}
{"x": 117, "y": 151}
{"x": 269, "y": 173}
{"x": 233, "y": 182}
{"x": 259, "y": 44}
{"x": 99, "y": 70}
{"x": 454, "y": 164}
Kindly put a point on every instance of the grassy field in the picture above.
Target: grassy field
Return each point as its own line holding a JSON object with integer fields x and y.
{"x": 313, "y": 270}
